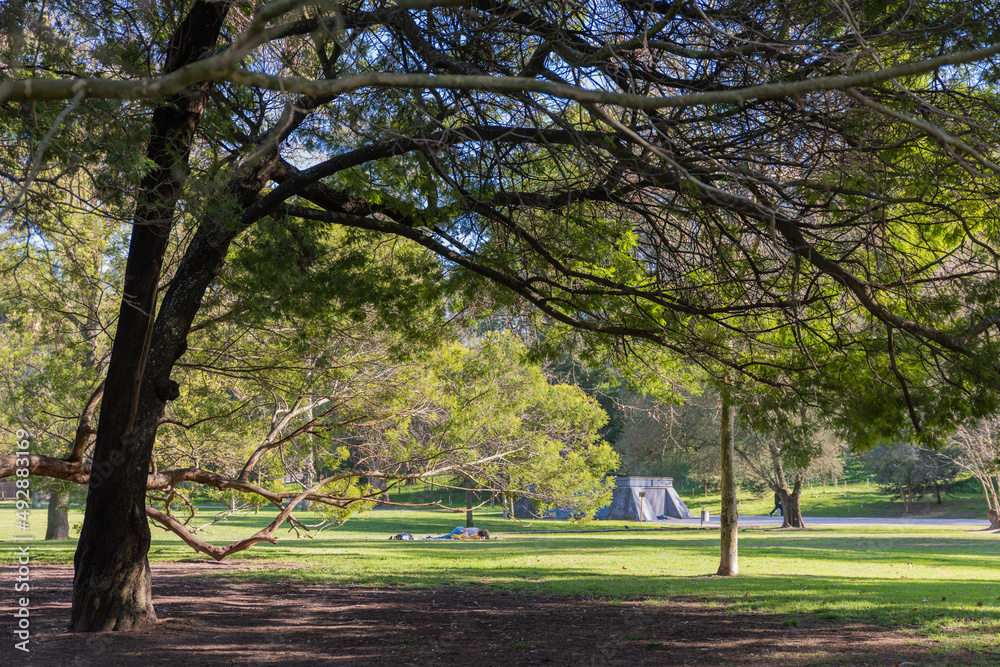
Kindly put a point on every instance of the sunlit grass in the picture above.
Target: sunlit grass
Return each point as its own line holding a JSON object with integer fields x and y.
{"x": 859, "y": 499}
{"x": 855, "y": 500}
{"x": 936, "y": 581}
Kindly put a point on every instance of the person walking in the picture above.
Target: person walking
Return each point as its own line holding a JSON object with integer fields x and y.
{"x": 777, "y": 507}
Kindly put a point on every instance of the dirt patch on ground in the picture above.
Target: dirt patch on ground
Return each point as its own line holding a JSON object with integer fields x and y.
{"x": 221, "y": 621}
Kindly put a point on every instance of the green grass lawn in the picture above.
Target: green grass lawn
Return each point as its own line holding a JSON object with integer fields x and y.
{"x": 822, "y": 500}
{"x": 938, "y": 582}
{"x": 857, "y": 500}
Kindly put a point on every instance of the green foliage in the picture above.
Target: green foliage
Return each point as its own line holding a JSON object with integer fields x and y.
{"x": 57, "y": 305}
{"x": 908, "y": 472}
{"x": 314, "y": 273}
{"x": 679, "y": 441}
{"x": 498, "y": 419}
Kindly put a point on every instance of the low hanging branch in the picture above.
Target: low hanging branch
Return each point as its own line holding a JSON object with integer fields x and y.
{"x": 81, "y": 473}
{"x": 219, "y": 68}
{"x": 218, "y": 553}
{"x": 263, "y": 535}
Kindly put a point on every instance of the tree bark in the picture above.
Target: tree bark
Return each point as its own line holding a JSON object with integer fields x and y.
{"x": 994, "y": 507}
{"x": 84, "y": 432}
{"x": 792, "y": 503}
{"x": 57, "y": 525}
{"x": 380, "y": 485}
{"x": 111, "y": 586}
{"x": 729, "y": 562}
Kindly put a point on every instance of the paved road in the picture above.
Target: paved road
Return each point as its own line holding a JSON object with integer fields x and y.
{"x": 775, "y": 521}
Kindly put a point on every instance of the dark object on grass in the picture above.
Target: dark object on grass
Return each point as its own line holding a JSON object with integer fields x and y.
{"x": 464, "y": 533}
{"x": 402, "y": 536}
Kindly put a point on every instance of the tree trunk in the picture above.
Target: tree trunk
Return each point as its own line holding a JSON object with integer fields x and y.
{"x": 729, "y": 562}
{"x": 116, "y": 496}
{"x": 468, "y": 509}
{"x": 57, "y": 527}
{"x": 791, "y": 512}
{"x": 111, "y": 585}
{"x": 994, "y": 513}
{"x": 792, "y": 503}
{"x": 987, "y": 483}
{"x": 379, "y": 484}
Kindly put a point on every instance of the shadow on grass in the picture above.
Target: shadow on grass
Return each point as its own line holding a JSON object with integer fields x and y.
{"x": 924, "y": 580}
{"x": 951, "y": 607}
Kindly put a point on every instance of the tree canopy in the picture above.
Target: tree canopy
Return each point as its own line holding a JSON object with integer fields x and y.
{"x": 674, "y": 173}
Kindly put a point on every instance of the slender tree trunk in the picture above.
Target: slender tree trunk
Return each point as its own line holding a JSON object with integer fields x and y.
{"x": 992, "y": 498}
{"x": 57, "y": 527}
{"x": 987, "y": 483}
{"x": 995, "y": 518}
{"x": 729, "y": 562}
{"x": 992, "y": 502}
{"x": 468, "y": 509}
{"x": 111, "y": 586}
{"x": 310, "y": 478}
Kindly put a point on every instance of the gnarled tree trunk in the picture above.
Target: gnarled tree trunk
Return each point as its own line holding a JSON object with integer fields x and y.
{"x": 792, "y": 503}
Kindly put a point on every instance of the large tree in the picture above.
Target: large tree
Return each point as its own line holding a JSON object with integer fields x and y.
{"x": 680, "y": 176}
{"x": 978, "y": 453}
{"x": 908, "y": 472}
{"x": 786, "y": 448}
